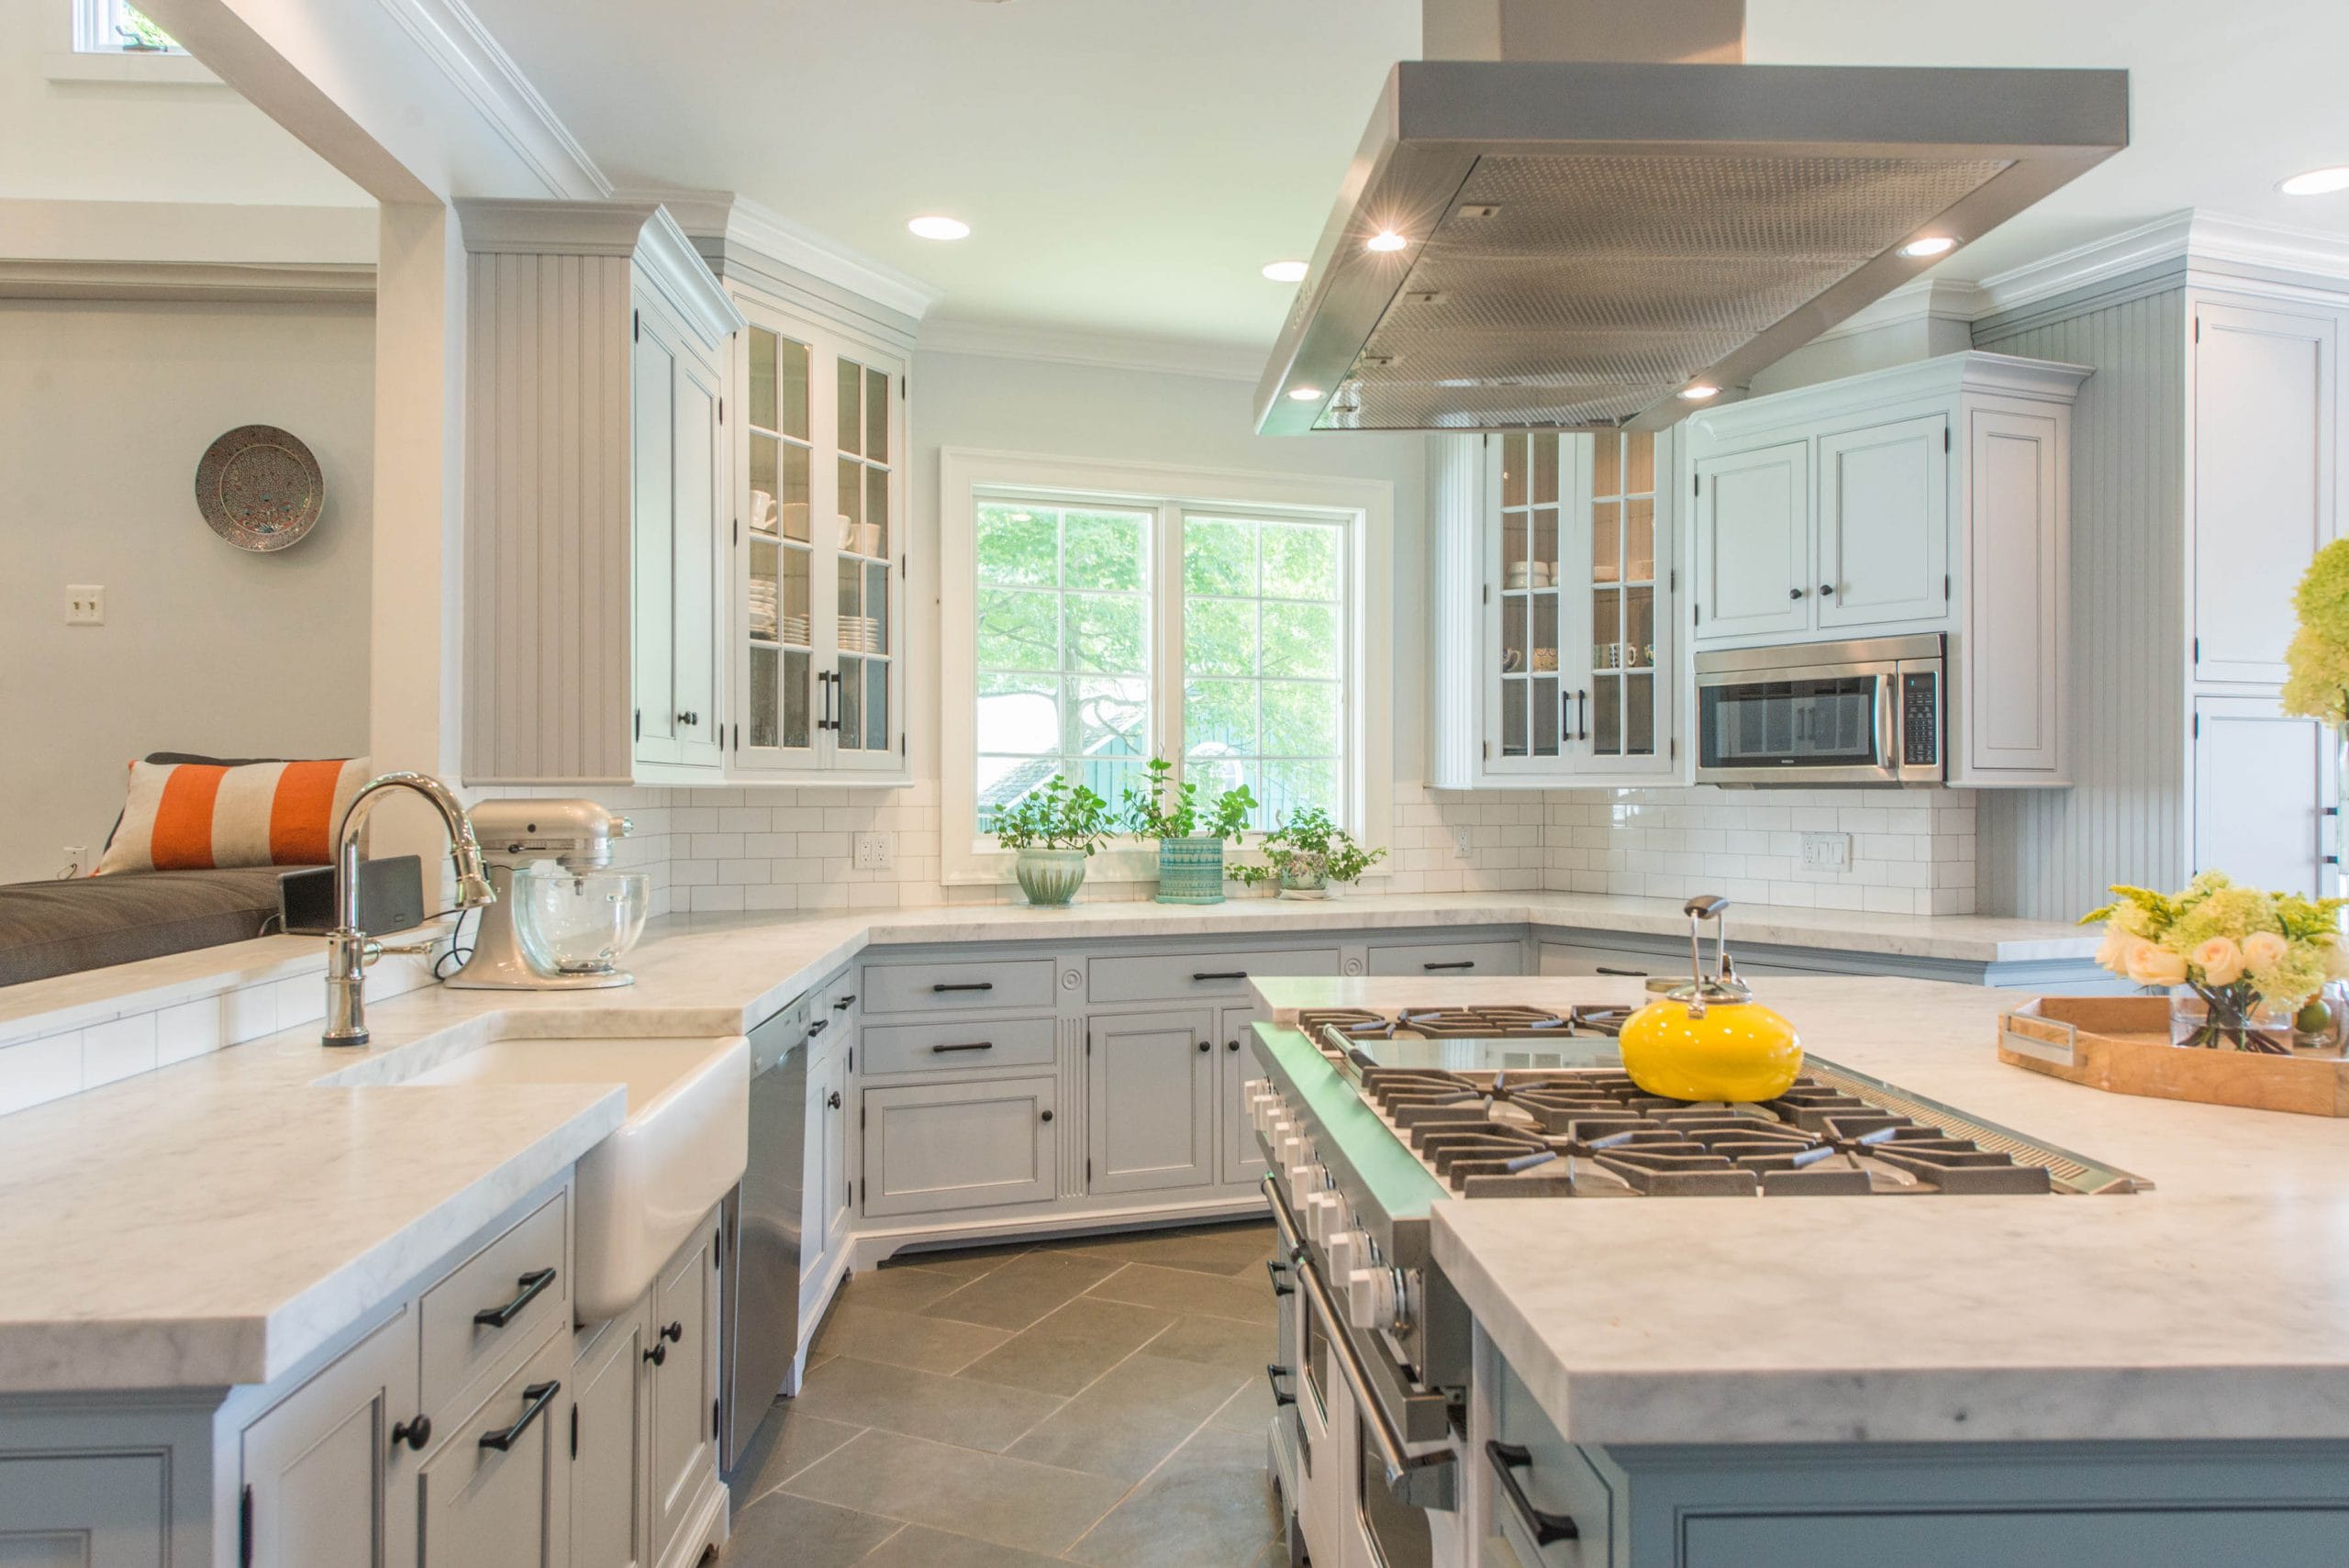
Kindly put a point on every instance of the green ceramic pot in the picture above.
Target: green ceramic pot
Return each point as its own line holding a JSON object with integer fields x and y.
{"x": 1190, "y": 871}
{"x": 1049, "y": 877}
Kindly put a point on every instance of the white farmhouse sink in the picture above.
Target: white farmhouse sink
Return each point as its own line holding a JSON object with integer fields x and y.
{"x": 643, "y": 1188}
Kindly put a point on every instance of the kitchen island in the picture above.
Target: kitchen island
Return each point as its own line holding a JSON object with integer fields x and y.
{"x": 2153, "y": 1376}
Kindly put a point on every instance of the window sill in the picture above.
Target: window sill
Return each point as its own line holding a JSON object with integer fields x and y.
{"x": 162, "y": 70}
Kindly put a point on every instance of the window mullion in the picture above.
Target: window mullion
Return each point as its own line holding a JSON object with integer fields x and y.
{"x": 1167, "y": 606}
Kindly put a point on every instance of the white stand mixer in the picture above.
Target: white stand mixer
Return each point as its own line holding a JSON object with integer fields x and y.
{"x": 576, "y": 835}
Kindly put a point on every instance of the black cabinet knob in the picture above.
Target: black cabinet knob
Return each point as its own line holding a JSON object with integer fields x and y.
{"x": 1794, "y": 592}
{"x": 688, "y": 718}
{"x": 1231, "y": 1045}
{"x": 415, "y": 1433}
{"x": 834, "y": 1100}
{"x": 1048, "y": 1116}
{"x": 674, "y": 1333}
{"x": 1206, "y": 1046}
{"x": 658, "y": 1355}
{"x": 1826, "y": 590}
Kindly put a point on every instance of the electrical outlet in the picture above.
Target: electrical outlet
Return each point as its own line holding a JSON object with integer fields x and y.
{"x": 877, "y": 851}
{"x": 1827, "y": 851}
{"x": 1462, "y": 848}
{"x": 86, "y": 604}
{"x": 74, "y": 858}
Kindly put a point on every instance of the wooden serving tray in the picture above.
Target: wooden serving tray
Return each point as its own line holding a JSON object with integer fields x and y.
{"x": 2120, "y": 1044}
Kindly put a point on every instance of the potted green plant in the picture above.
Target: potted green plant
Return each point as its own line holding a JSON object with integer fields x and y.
{"x": 1055, "y": 829}
{"x": 1190, "y": 835}
{"x": 1306, "y": 853}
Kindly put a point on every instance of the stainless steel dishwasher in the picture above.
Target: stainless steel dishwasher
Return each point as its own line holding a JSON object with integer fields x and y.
{"x": 759, "y": 1286}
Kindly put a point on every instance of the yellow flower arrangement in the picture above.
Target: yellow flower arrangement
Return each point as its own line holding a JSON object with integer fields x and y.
{"x": 2236, "y": 948}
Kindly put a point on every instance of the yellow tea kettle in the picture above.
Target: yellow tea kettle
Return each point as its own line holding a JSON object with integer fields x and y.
{"x": 1709, "y": 1040}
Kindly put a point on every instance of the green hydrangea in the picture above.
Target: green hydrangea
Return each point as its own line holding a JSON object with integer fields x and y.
{"x": 2318, "y": 683}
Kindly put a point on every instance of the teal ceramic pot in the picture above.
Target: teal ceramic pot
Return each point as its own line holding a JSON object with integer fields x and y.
{"x": 1049, "y": 877}
{"x": 1190, "y": 871}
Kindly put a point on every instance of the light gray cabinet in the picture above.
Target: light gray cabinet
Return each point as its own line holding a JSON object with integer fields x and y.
{"x": 608, "y": 1454}
{"x": 972, "y": 1144}
{"x": 675, "y": 459}
{"x": 1438, "y": 959}
{"x": 2263, "y": 455}
{"x": 824, "y": 1225}
{"x": 1752, "y": 543}
{"x": 1884, "y": 525}
{"x": 2264, "y": 792}
{"x": 325, "y": 1481}
{"x": 99, "y": 1510}
{"x": 494, "y": 1491}
{"x": 1151, "y": 1105}
{"x": 1241, "y": 1158}
{"x": 682, "y": 1401}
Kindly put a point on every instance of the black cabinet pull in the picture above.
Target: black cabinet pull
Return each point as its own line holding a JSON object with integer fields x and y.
{"x": 689, "y": 719}
{"x": 1454, "y": 963}
{"x": 844, "y": 1004}
{"x": 1627, "y": 973}
{"x": 974, "y": 1045}
{"x": 674, "y": 1333}
{"x": 1547, "y": 1529}
{"x": 533, "y": 1283}
{"x": 834, "y": 1101}
{"x": 1582, "y": 715}
{"x": 1222, "y": 974}
{"x": 415, "y": 1433}
{"x": 536, "y": 1398}
{"x": 658, "y": 1355}
{"x": 1231, "y": 1045}
{"x": 1048, "y": 1116}
{"x": 818, "y": 1027}
{"x": 1279, "y": 1271}
{"x": 1272, "y": 1374}
{"x": 963, "y": 985}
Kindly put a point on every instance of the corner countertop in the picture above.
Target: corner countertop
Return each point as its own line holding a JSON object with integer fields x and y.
{"x": 2215, "y": 1305}
{"x": 211, "y": 1223}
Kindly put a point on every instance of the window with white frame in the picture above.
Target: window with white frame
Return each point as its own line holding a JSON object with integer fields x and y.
{"x": 116, "y": 27}
{"x": 1089, "y": 629}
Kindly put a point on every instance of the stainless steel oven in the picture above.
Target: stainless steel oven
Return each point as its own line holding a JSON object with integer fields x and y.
{"x": 1870, "y": 712}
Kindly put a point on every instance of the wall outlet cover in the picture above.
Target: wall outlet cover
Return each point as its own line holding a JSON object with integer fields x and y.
{"x": 877, "y": 851}
{"x": 1463, "y": 843}
{"x": 86, "y": 604}
{"x": 1827, "y": 851}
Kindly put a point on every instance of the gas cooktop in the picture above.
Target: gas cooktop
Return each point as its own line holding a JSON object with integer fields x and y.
{"x": 1539, "y": 1105}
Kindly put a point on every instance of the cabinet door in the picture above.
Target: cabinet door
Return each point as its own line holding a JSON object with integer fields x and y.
{"x": 608, "y": 1448}
{"x": 1753, "y": 566}
{"x": 2265, "y": 446}
{"x": 1622, "y": 659}
{"x": 1528, "y": 698}
{"x": 867, "y": 673}
{"x": 1241, "y": 1159}
{"x": 2263, "y": 788}
{"x": 824, "y": 1202}
{"x": 777, "y": 706}
{"x": 836, "y": 1205}
{"x": 936, "y": 1147}
{"x": 330, "y": 1488}
{"x": 684, "y": 1449}
{"x": 2009, "y": 684}
{"x": 481, "y": 1505}
{"x": 1884, "y": 524}
{"x": 96, "y": 1510}
{"x": 653, "y": 473}
{"x": 693, "y": 614}
{"x": 1151, "y": 1100}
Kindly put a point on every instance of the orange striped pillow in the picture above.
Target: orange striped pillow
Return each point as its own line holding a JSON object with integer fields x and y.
{"x": 193, "y": 816}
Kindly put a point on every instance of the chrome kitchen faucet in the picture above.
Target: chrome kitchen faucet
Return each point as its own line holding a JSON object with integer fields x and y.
{"x": 348, "y": 947}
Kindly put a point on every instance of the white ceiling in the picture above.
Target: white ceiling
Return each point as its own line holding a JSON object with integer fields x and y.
{"x": 1127, "y": 165}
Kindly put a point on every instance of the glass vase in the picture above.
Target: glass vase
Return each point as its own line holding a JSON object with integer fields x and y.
{"x": 2228, "y": 1017}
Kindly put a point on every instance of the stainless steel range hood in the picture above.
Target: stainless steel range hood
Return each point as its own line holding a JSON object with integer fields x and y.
{"x": 1580, "y": 241}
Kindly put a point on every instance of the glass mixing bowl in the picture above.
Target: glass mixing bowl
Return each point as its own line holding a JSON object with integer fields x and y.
{"x": 578, "y": 922}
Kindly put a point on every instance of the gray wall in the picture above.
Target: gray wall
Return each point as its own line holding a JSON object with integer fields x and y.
{"x": 105, "y": 409}
{"x": 2050, "y": 854}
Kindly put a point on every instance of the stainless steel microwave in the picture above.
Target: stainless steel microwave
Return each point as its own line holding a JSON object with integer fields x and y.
{"x": 1869, "y": 712}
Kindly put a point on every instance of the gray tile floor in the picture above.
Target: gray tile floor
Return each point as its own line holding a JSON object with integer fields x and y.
{"x": 1099, "y": 1400}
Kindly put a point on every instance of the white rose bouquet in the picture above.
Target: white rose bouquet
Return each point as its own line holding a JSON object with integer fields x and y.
{"x": 2242, "y": 951}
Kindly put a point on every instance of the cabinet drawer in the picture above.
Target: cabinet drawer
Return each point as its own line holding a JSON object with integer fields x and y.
{"x": 932, "y": 1146}
{"x": 471, "y": 1323}
{"x": 1202, "y": 974}
{"x": 1450, "y": 958}
{"x": 931, "y": 1048}
{"x": 956, "y": 987}
{"x": 1548, "y": 1475}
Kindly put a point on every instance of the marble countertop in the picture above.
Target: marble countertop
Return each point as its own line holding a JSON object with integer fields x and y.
{"x": 212, "y": 1222}
{"x": 2216, "y": 1306}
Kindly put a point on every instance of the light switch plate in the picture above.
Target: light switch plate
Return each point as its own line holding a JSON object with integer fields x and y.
{"x": 1827, "y": 851}
{"x": 877, "y": 851}
{"x": 86, "y": 604}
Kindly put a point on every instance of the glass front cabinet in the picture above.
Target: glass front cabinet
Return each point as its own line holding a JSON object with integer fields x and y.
{"x": 821, "y": 553}
{"x": 1562, "y": 546}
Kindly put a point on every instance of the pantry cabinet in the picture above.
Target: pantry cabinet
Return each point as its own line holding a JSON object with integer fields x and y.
{"x": 1933, "y": 497}
{"x": 595, "y": 564}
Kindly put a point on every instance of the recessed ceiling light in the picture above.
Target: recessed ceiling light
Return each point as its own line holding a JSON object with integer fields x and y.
{"x": 936, "y": 228}
{"x": 1385, "y": 239}
{"x": 1304, "y": 394}
{"x": 2317, "y": 182}
{"x": 1930, "y": 245}
{"x": 1698, "y": 392}
{"x": 1286, "y": 272}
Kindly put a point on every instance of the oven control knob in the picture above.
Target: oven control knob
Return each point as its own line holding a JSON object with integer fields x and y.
{"x": 1314, "y": 1212}
{"x": 1304, "y": 1181}
{"x": 1346, "y": 1253}
{"x": 1374, "y": 1298}
{"x": 1328, "y": 1217}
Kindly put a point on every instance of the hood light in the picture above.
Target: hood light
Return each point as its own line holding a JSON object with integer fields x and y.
{"x": 2317, "y": 182}
{"x": 1286, "y": 272}
{"x": 937, "y": 227}
{"x": 1700, "y": 392}
{"x": 1304, "y": 394}
{"x": 1930, "y": 245}
{"x": 1383, "y": 241}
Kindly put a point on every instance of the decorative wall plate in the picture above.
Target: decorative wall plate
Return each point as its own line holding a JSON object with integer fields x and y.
{"x": 260, "y": 488}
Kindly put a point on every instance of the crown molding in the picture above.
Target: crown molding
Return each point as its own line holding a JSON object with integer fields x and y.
{"x": 495, "y": 225}
{"x": 292, "y": 283}
{"x": 739, "y": 220}
{"x": 1925, "y": 299}
{"x": 486, "y": 76}
{"x": 2191, "y": 240}
{"x": 1102, "y": 350}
